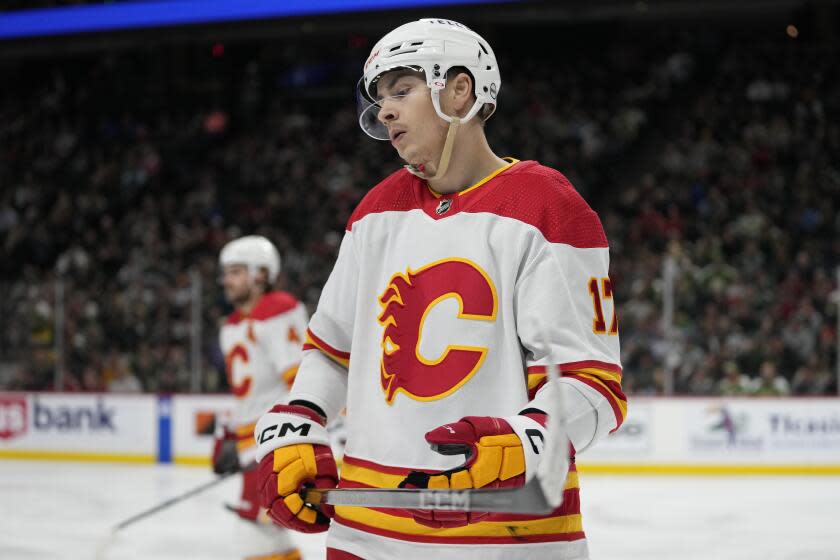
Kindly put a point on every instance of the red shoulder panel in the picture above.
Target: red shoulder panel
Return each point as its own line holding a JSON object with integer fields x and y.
{"x": 273, "y": 304}
{"x": 544, "y": 198}
{"x": 394, "y": 193}
{"x": 233, "y": 318}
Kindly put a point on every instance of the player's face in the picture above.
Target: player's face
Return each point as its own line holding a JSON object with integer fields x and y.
{"x": 415, "y": 129}
{"x": 236, "y": 282}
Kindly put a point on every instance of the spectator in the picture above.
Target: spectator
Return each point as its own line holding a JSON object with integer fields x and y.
{"x": 734, "y": 382}
{"x": 769, "y": 383}
{"x": 124, "y": 380}
{"x": 811, "y": 379}
{"x": 701, "y": 383}
{"x": 92, "y": 380}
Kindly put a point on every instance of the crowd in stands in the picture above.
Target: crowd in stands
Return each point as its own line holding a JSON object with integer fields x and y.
{"x": 121, "y": 180}
{"x": 743, "y": 199}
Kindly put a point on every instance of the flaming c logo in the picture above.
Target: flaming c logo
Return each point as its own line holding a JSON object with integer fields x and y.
{"x": 241, "y": 353}
{"x": 406, "y": 303}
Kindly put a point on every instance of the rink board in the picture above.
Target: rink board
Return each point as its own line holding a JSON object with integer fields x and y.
{"x": 687, "y": 436}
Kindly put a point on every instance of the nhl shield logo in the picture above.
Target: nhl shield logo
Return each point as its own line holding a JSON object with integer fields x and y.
{"x": 443, "y": 207}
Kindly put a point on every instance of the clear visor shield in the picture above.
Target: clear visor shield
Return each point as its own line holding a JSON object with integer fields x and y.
{"x": 369, "y": 111}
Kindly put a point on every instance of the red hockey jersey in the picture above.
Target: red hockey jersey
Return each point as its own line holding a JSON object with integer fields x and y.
{"x": 441, "y": 307}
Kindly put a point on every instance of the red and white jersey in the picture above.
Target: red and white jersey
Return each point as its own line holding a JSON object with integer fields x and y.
{"x": 448, "y": 306}
{"x": 262, "y": 354}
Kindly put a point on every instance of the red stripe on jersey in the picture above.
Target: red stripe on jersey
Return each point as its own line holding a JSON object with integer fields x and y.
{"x": 387, "y": 469}
{"x": 615, "y": 368}
{"x": 615, "y": 388}
{"x": 572, "y": 366}
{"x": 321, "y": 345}
{"x": 376, "y": 466}
{"x": 336, "y": 554}
{"x": 389, "y": 511}
{"x": 570, "y": 506}
{"x": 270, "y": 305}
{"x": 557, "y": 537}
{"x": 611, "y": 398}
{"x": 535, "y": 382}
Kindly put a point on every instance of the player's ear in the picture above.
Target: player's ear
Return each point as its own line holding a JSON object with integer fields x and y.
{"x": 460, "y": 91}
{"x": 262, "y": 279}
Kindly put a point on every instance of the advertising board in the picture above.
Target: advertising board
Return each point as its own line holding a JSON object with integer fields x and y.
{"x": 90, "y": 426}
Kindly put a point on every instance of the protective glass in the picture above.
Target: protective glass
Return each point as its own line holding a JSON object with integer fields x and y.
{"x": 368, "y": 111}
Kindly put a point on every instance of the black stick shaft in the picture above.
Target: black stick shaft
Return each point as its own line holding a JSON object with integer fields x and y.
{"x": 176, "y": 499}
{"x": 171, "y": 502}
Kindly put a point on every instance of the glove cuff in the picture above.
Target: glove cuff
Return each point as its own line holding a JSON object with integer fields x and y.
{"x": 532, "y": 435}
{"x": 288, "y": 425}
{"x": 300, "y": 410}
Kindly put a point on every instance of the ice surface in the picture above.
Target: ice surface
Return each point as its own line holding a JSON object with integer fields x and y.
{"x": 66, "y": 511}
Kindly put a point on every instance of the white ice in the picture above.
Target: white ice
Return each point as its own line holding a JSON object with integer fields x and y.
{"x": 66, "y": 510}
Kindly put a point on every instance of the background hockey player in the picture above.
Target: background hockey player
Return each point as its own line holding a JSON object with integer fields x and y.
{"x": 261, "y": 341}
{"x": 459, "y": 279}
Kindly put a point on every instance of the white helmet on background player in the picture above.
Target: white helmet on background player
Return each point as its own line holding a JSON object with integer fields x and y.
{"x": 431, "y": 46}
{"x": 254, "y": 252}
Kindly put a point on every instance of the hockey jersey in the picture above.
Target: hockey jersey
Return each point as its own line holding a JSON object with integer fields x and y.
{"x": 262, "y": 353}
{"x": 444, "y": 306}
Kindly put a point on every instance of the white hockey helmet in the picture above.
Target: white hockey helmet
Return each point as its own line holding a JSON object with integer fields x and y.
{"x": 253, "y": 251}
{"x": 432, "y": 46}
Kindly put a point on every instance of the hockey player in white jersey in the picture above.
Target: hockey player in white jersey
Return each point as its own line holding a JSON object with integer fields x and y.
{"x": 459, "y": 280}
{"x": 262, "y": 342}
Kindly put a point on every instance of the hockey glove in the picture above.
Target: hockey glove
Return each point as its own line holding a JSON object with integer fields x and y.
{"x": 500, "y": 452}
{"x": 293, "y": 452}
{"x": 225, "y": 454}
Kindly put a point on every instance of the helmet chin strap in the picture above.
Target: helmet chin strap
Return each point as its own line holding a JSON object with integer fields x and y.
{"x": 449, "y": 145}
{"x": 445, "y": 156}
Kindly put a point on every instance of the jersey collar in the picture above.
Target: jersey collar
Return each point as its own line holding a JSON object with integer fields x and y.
{"x": 511, "y": 162}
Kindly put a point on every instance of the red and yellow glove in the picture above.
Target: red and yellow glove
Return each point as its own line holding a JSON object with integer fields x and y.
{"x": 293, "y": 452}
{"x": 500, "y": 452}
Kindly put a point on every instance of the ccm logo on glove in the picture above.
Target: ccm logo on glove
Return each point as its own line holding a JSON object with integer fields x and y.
{"x": 293, "y": 452}
{"x": 267, "y": 434}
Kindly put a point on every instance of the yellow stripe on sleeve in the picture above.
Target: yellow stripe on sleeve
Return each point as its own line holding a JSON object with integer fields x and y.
{"x": 337, "y": 359}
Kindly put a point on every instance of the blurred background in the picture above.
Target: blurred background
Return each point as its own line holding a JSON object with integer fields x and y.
{"x": 138, "y": 137}
{"x": 705, "y": 134}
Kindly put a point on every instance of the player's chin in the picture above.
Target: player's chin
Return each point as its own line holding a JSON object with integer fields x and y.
{"x": 403, "y": 155}
{"x": 408, "y": 155}
{"x": 236, "y": 298}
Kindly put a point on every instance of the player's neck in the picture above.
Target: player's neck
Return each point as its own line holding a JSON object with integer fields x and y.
{"x": 248, "y": 306}
{"x": 472, "y": 160}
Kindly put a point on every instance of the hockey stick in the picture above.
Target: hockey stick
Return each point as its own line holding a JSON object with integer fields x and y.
{"x": 540, "y": 495}
{"x": 109, "y": 540}
{"x": 525, "y": 499}
{"x": 172, "y": 501}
